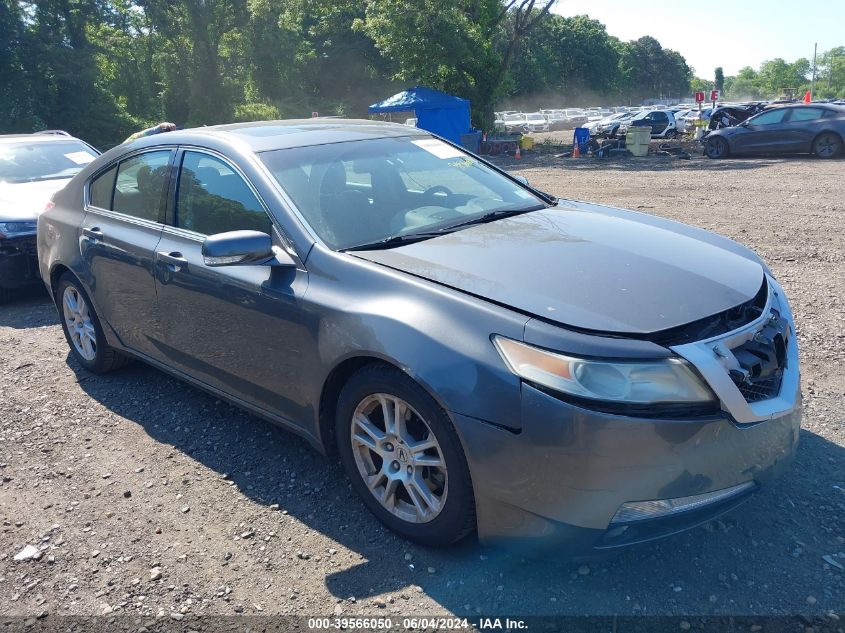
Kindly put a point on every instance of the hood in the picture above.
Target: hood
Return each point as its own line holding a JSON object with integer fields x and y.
{"x": 588, "y": 267}
{"x": 21, "y": 202}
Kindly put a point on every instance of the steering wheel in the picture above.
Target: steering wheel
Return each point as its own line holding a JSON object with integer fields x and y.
{"x": 431, "y": 191}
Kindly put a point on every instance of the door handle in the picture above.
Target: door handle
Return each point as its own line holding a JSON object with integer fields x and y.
{"x": 174, "y": 260}
{"x": 94, "y": 233}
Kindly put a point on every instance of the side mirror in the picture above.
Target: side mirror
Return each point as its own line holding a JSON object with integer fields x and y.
{"x": 521, "y": 179}
{"x": 243, "y": 247}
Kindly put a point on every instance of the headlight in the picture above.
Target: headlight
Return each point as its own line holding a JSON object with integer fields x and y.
{"x": 632, "y": 382}
{"x": 14, "y": 229}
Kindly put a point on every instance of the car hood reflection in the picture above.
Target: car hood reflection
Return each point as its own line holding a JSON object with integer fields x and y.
{"x": 609, "y": 272}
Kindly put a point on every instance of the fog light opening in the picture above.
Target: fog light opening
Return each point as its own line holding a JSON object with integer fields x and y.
{"x": 634, "y": 511}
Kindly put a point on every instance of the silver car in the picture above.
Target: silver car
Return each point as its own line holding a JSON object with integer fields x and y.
{"x": 481, "y": 356}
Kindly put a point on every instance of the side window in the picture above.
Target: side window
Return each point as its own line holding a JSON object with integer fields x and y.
{"x": 805, "y": 114}
{"x": 661, "y": 117}
{"x": 213, "y": 198}
{"x": 140, "y": 185}
{"x": 102, "y": 188}
{"x": 767, "y": 118}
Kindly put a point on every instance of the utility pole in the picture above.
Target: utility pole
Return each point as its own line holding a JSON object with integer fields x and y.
{"x": 813, "y": 83}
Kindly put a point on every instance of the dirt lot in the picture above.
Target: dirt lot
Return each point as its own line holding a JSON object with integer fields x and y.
{"x": 150, "y": 497}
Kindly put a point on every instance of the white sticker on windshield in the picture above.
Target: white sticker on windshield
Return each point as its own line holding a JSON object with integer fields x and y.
{"x": 80, "y": 158}
{"x": 438, "y": 148}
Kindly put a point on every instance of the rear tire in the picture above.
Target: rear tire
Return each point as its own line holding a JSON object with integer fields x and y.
{"x": 827, "y": 145}
{"x": 716, "y": 147}
{"x": 413, "y": 474}
{"x": 82, "y": 328}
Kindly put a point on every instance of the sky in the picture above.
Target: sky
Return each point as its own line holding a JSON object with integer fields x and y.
{"x": 729, "y": 34}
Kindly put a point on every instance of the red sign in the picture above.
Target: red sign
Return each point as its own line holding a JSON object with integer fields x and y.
{"x": 714, "y": 95}
{"x": 699, "y": 96}
{"x": 314, "y": 115}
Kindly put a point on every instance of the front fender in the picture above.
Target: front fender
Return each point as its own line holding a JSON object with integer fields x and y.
{"x": 438, "y": 336}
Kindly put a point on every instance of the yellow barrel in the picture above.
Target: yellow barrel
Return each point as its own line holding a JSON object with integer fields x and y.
{"x": 526, "y": 142}
{"x": 637, "y": 140}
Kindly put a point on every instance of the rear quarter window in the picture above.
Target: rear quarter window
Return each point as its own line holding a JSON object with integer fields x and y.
{"x": 102, "y": 188}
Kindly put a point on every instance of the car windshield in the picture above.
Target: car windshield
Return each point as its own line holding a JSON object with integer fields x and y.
{"x": 363, "y": 192}
{"x": 29, "y": 161}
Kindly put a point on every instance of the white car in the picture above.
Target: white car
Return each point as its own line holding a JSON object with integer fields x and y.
{"x": 32, "y": 168}
{"x": 535, "y": 122}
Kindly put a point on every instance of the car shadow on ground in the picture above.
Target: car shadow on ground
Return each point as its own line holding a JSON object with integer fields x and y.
{"x": 717, "y": 569}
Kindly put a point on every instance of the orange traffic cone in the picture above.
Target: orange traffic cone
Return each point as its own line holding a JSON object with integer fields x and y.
{"x": 807, "y": 97}
{"x": 576, "y": 150}
{"x": 517, "y": 155}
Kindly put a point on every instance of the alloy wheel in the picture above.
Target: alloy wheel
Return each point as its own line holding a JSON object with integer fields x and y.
{"x": 399, "y": 458}
{"x": 80, "y": 327}
{"x": 716, "y": 148}
{"x": 827, "y": 146}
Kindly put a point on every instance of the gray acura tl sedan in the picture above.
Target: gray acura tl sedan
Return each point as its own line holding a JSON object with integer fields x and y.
{"x": 480, "y": 355}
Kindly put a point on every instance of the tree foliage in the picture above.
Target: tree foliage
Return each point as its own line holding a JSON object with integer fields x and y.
{"x": 104, "y": 68}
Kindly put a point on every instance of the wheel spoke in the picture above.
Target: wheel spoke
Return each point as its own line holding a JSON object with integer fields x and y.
{"x": 422, "y": 446}
{"x": 87, "y": 347}
{"x": 387, "y": 412}
{"x": 432, "y": 461}
{"x": 371, "y": 431}
{"x": 423, "y": 499}
{"x": 388, "y": 495}
{"x": 70, "y": 302}
{"x": 373, "y": 481}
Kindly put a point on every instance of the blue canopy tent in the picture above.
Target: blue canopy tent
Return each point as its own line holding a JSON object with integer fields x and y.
{"x": 436, "y": 111}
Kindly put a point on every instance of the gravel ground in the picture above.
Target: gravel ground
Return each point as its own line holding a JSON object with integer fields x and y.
{"x": 148, "y": 497}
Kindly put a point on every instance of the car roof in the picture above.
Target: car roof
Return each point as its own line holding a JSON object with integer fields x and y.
{"x": 41, "y": 137}
{"x": 261, "y": 136}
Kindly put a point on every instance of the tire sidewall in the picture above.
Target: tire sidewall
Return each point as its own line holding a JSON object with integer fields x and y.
{"x": 450, "y": 525}
{"x": 98, "y": 364}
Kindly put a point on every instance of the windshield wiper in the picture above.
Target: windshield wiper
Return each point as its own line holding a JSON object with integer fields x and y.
{"x": 396, "y": 240}
{"x": 410, "y": 238}
{"x": 490, "y": 217}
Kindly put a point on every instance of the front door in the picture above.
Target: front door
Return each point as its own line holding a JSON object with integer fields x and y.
{"x": 237, "y": 328}
{"x": 118, "y": 239}
{"x": 761, "y": 134}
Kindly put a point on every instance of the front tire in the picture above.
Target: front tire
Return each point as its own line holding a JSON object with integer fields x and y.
{"x": 82, "y": 328}
{"x": 403, "y": 457}
{"x": 827, "y": 145}
{"x": 716, "y": 147}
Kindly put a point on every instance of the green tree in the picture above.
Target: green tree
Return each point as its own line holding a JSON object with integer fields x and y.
{"x": 649, "y": 70}
{"x": 461, "y": 46}
{"x": 745, "y": 85}
{"x": 570, "y": 59}
{"x": 719, "y": 79}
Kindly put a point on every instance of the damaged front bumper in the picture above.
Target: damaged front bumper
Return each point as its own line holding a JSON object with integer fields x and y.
{"x": 585, "y": 481}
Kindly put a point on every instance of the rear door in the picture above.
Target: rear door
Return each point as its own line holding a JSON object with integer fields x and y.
{"x": 119, "y": 234}
{"x": 237, "y": 328}
{"x": 801, "y": 127}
